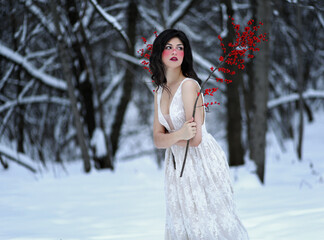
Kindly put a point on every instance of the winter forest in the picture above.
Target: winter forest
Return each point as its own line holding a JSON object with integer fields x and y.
{"x": 77, "y": 109}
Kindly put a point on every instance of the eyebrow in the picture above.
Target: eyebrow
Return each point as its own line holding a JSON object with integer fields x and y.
{"x": 177, "y": 44}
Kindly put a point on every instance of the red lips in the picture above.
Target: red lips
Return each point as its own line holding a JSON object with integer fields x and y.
{"x": 174, "y": 59}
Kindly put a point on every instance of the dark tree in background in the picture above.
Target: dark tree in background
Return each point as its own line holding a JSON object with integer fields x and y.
{"x": 261, "y": 82}
{"x": 233, "y": 103}
{"x": 72, "y": 86}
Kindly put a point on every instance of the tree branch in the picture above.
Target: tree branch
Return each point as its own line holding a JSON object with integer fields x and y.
{"x": 36, "y": 73}
{"x": 19, "y": 158}
{"x": 34, "y": 99}
{"x": 112, "y": 21}
{"x": 310, "y": 93}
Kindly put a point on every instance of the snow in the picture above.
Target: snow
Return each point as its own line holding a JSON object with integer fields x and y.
{"x": 126, "y": 57}
{"x": 112, "y": 20}
{"x": 35, "y": 99}
{"x": 128, "y": 204}
{"x": 145, "y": 13}
{"x": 320, "y": 18}
{"x": 41, "y": 53}
{"x": 10, "y": 153}
{"x": 99, "y": 143}
{"x": 116, "y": 80}
{"x": 40, "y": 75}
{"x": 224, "y": 33}
{"x": 204, "y": 63}
{"x": 40, "y": 15}
{"x": 6, "y": 76}
{"x": 309, "y": 93}
{"x": 180, "y": 11}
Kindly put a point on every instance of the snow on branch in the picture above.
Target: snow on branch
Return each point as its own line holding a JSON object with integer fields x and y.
{"x": 35, "y": 10}
{"x": 310, "y": 93}
{"x": 178, "y": 13}
{"x": 36, "y": 73}
{"x": 6, "y": 76}
{"x": 42, "y": 53}
{"x": 204, "y": 63}
{"x": 320, "y": 18}
{"x": 20, "y": 158}
{"x": 111, "y": 20}
{"x": 34, "y": 99}
{"x": 126, "y": 57}
{"x": 112, "y": 86}
{"x": 144, "y": 13}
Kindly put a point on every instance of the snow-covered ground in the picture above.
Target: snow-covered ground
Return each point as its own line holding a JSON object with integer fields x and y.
{"x": 128, "y": 204}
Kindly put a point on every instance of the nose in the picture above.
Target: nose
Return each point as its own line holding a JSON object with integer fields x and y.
{"x": 174, "y": 51}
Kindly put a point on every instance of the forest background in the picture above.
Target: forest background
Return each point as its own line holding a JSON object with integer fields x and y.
{"x": 70, "y": 72}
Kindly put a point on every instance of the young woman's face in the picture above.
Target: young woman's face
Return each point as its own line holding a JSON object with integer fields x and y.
{"x": 172, "y": 55}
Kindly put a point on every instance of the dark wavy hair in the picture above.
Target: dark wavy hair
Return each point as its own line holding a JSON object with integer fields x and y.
{"x": 156, "y": 64}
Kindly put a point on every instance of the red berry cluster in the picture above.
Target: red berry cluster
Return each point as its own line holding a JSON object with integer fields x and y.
{"x": 146, "y": 53}
{"x": 221, "y": 80}
{"x": 211, "y": 103}
{"x": 209, "y": 91}
{"x": 245, "y": 41}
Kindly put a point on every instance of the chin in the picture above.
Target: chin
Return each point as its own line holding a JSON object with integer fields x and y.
{"x": 173, "y": 66}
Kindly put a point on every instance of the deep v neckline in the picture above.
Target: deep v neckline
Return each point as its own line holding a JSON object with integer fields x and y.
{"x": 170, "y": 105}
{"x": 171, "y": 100}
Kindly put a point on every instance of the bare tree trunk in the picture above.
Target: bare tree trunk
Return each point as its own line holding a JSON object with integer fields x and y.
{"x": 105, "y": 161}
{"x": 261, "y": 83}
{"x": 68, "y": 76}
{"x": 82, "y": 69}
{"x": 234, "y": 118}
{"x": 132, "y": 13}
{"x": 19, "y": 120}
{"x": 300, "y": 84}
{"x": 248, "y": 89}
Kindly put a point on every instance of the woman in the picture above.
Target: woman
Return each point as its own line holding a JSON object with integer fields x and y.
{"x": 199, "y": 205}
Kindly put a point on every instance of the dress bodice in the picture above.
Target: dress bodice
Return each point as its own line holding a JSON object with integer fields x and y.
{"x": 176, "y": 116}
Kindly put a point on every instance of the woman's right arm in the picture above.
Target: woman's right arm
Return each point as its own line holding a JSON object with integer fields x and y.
{"x": 163, "y": 139}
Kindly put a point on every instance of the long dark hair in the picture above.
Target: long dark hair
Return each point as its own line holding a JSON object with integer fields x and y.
{"x": 156, "y": 64}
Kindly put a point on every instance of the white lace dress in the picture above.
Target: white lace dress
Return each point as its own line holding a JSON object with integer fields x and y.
{"x": 199, "y": 205}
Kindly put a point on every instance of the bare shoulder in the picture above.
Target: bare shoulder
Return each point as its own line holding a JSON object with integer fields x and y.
{"x": 190, "y": 85}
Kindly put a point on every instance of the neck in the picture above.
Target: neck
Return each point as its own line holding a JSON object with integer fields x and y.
{"x": 173, "y": 76}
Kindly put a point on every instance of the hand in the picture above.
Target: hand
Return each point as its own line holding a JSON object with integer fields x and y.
{"x": 188, "y": 129}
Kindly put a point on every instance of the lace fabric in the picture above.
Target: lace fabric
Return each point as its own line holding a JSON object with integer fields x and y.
{"x": 200, "y": 204}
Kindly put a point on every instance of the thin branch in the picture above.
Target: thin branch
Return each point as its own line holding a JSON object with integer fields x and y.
{"x": 179, "y": 13}
{"x": 126, "y": 57}
{"x": 145, "y": 15}
{"x": 310, "y": 93}
{"x": 20, "y": 158}
{"x": 112, "y": 21}
{"x": 107, "y": 93}
{"x": 34, "y": 99}
{"x": 36, "y": 73}
{"x": 37, "y": 12}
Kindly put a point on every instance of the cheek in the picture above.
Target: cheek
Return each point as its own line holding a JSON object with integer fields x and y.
{"x": 180, "y": 53}
{"x": 165, "y": 53}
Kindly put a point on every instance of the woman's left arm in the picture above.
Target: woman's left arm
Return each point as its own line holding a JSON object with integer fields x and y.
{"x": 189, "y": 91}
